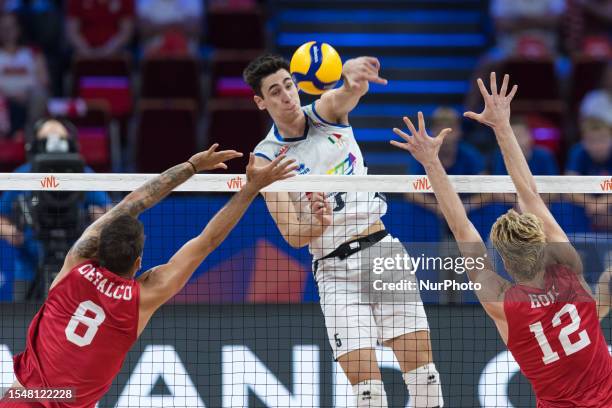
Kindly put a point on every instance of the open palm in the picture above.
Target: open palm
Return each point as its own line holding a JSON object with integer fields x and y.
{"x": 497, "y": 104}
{"x": 423, "y": 147}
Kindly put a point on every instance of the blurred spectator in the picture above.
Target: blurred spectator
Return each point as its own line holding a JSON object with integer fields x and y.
{"x": 457, "y": 157}
{"x": 23, "y": 76}
{"x": 43, "y": 25}
{"x": 589, "y": 27}
{"x": 540, "y": 160}
{"x": 15, "y": 229}
{"x": 527, "y": 27}
{"x": 170, "y": 26}
{"x": 593, "y": 155}
{"x": 524, "y": 29}
{"x": 598, "y": 103}
{"x": 99, "y": 28}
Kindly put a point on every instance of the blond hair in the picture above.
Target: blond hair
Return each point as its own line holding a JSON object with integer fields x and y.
{"x": 520, "y": 239}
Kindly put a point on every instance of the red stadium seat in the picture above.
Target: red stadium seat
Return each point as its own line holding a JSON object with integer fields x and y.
{"x": 236, "y": 28}
{"x": 12, "y": 154}
{"x": 236, "y": 124}
{"x": 538, "y": 85}
{"x": 226, "y": 73}
{"x": 166, "y": 134}
{"x": 106, "y": 79}
{"x": 171, "y": 77}
{"x": 93, "y": 123}
{"x": 586, "y": 76}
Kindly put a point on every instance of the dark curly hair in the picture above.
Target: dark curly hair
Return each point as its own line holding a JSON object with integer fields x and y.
{"x": 260, "y": 68}
{"x": 121, "y": 243}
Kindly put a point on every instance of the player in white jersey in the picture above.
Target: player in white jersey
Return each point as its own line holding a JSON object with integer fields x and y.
{"x": 338, "y": 226}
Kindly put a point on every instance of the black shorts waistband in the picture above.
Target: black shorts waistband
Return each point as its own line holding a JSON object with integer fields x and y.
{"x": 352, "y": 247}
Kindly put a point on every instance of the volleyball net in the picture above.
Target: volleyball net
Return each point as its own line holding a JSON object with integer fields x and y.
{"x": 248, "y": 329}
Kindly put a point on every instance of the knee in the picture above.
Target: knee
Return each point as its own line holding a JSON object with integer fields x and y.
{"x": 425, "y": 387}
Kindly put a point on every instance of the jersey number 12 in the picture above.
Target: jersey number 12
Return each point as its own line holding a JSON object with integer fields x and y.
{"x": 569, "y": 348}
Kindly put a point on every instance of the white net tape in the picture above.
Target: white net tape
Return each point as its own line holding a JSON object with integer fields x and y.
{"x": 233, "y": 182}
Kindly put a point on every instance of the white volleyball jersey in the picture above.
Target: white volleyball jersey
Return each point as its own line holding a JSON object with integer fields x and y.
{"x": 327, "y": 148}
{"x": 17, "y": 71}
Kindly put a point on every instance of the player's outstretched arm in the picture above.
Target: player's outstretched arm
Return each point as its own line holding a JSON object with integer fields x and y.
{"x": 496, "y": 115}
{"x": 425, "y": 149}
{"x": 297, "y": 232}
{"x": 335, "y": 105}
{"x": 146, "y": 196}
{"x": 164, "y": 281}
{"x": 603, "y": 298}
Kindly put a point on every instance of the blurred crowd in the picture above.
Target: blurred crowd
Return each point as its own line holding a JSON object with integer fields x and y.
{"x": 128, "y": 72}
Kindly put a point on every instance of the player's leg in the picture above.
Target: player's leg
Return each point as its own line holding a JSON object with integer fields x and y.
{"x": 402, "y": 325}
{"x": 413, "y": 352}
{"x": 361, "y": 368}
{"x": 351, "y": 330}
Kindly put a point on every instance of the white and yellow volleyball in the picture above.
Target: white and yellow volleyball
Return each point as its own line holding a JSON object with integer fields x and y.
{"x": 316, "y": 67}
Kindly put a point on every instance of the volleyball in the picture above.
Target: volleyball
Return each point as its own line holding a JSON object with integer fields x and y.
{"x": 316, "y": 67}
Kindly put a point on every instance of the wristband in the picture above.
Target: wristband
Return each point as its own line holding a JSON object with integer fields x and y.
{"x": 193, "y": 165}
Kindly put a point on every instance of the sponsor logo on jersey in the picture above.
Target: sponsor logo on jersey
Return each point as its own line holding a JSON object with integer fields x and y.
{"x": 336, "y": 140}
{"x": 283, "y": 150}
{"x": 345, "y": 167}
{"x": 606, "y": 185}
{"x": 421, "y": 184}
{"x": 303, "y": 169}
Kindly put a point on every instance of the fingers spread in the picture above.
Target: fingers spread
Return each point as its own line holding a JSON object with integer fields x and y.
{"x": 504, "y": 87}
{"x": 422, "y": 129}
{"x": 444, "y": 133}
{"x": 411, "y": 127}
{"x": 512, "y": 92}
{"x": 472, "y": 115}
{"x": 493, "y": 84}
{"x": 403, "y": 146}
{"x": 402, "y": 134}
{"x": 483, "y": 89}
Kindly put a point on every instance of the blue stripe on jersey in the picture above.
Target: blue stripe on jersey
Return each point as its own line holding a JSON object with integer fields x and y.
{"x": 324, "y": 121}
{"x": 293, "y": 139}
{"x": 258, "y": 154}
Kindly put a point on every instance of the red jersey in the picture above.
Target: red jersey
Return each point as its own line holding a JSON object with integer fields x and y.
{"x": 81, "y": 335}
{"x": 555, "y": 337}
{"x": 99, "y": 20}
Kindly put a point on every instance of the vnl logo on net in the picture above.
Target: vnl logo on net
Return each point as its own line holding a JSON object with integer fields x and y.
{"x": 236, "y": 183}
{"x": 421, "y": 184}
{"x": 606, "y": 185}
{"x": 49, "y": 182}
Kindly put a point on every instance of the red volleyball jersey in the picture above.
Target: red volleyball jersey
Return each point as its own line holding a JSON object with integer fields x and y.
{"x": 555, "y": 337}
{"x": 81, "y": 335}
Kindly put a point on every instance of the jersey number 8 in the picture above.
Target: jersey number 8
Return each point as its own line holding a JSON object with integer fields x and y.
{"x": 92, "y": 323}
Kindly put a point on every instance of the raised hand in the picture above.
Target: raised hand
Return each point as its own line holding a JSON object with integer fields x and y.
{"x": 321, "y": 208}
{"x": 212, "y": 160}
{"x": 278, "y": 169}
{"x": 362, "y": 70}
{"x": 423, "y": 147}
{"x": 497, "y": 104}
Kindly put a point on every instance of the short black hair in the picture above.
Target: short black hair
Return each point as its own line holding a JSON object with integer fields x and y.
{"x": 260, "y": 68}
{"x": 121, "y": 243}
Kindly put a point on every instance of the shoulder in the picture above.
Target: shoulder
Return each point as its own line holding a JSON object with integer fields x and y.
{"x": 315, "y": 116}
{"x": 268, "y": 147}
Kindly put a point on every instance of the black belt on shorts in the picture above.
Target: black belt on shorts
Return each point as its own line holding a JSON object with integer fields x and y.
{"x": 352, "y": 247}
